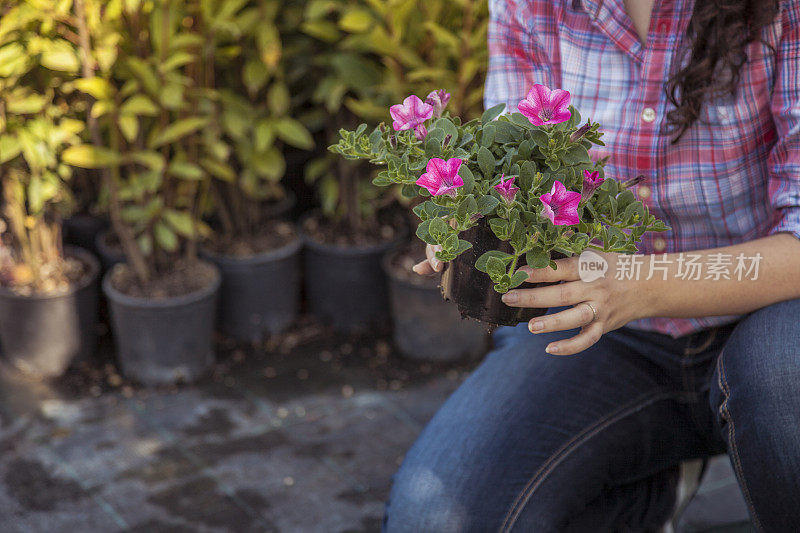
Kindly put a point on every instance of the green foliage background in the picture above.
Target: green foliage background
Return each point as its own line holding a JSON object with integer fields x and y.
{"x": 169, "y": 105}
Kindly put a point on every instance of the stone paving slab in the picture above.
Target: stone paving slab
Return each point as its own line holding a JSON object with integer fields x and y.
{"x": 301, "y": 435}
{"x": 297, "y": 440}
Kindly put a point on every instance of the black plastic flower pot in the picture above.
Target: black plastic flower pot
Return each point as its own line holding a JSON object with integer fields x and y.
{"x": 42, "y": 334}
{"x": 346, "y": 286}
{"x": 82, "y": 230}
{"x": 164, "y": 340}
{"x": 425, "y": 327}
{"x": 109, "y": 254}
{"x": 472, "y": 290}
{"x": 260, "y": 293}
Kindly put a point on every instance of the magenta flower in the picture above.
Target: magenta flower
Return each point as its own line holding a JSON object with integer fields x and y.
{"x": 441, "y": 176}
{"x": 543, "y": 106}
{"x": 411, "y": 115}
{"x": 591, "y": 182}
{"x": 438, "y": 99}
{"x": 561, "y": 205}
{"x": 506, "y": 189}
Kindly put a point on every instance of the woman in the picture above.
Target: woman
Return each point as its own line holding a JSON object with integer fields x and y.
{"x": 702, "y": 98}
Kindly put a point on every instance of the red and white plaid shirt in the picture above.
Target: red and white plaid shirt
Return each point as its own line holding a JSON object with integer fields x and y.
{"x": 733, "y": 177}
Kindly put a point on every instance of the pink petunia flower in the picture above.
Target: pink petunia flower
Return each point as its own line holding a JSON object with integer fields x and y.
{"x": 561, "y": 205}
{"x": 438, "y": 99}
{"x": 411, "y": 115}
{"x": 543, "y": 106}
{"x": 591, "y": 182}
{"x": 507, "y": 189}
{"x": 441, "y": 177}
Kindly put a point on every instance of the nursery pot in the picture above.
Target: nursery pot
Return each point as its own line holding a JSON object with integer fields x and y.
{"x": 109, "y": 255}
{"x": 346, "y": 286}
{"x": 260, "y": 293}
{"x": 472, "y": 290}
{"x": 42, "y": 334}
{"x": 82, "y": 230}
{"x": 425, "y": 326}
{"x": 164, "y": 340}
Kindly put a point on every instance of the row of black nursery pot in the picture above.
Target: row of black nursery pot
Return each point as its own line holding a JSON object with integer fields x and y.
{"x": 355, "y": 289}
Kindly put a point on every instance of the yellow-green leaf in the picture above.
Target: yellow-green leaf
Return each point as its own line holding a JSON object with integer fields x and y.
{"x": 356, "y": 20}
{"x": 181, "y": 221}
{"x": 139, "y": 104}
{"x": 99, "y": 88}
{"x": 88, "y": 156}
{"x": 293, "y": 132}
{"x": 185, "y": 170}
{"x": 59, "y": 55}
{"x": 178, "y": 130}
{"x": 165, "y": 237}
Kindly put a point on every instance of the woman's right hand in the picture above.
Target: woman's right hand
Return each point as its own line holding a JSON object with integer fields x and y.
{"x": 431, "y": 265}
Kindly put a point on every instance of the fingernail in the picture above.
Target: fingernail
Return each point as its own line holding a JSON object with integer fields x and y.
{"x": 415, "y": 268}
{"x": 551, "y": 349}
{"x": 537, "y": 325}
{"x": 510, "y": 298}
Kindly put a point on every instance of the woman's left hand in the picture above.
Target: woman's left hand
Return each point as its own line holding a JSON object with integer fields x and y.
{"x": 598, "y": 306}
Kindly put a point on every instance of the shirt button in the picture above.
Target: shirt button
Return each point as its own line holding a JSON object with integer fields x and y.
{"x": 649, "y": 114}
{"x": 644, "y": 192}
{"x": 659, "y": 244}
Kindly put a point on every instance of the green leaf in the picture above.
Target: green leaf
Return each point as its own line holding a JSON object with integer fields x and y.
{"x": 481, "y": 263}
{"x": 88, "y": 156}
{"x": 518, "y": 279}
{"x": 492, "y": 113}
{"x": 537, "y": 259}
{"x": 469, "y": 179}
{"x": 576, "y": 155}
{"x": 293, "y": 132}
{"x": 178, "y": 130}
{"x": 495, "y": 267}
{"x": 424, "y": 234}
{"x": 487, "y": 204}
{"x": 438, "y": 229}
{"x": 486, "y": 162}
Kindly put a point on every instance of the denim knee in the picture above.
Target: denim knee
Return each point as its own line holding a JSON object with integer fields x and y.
{"x": 421, "y": 501}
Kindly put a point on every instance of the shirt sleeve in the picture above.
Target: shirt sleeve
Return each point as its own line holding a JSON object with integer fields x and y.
{"x": 517, "y": 58}
{"x": 784, "y": 159}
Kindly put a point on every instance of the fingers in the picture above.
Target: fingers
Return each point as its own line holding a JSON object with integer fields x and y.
{"x": 574, "y": 317}
{"x": 567, "y": 271}
{"x": 431, "y": 265}
{"x": 588, "y": 336}
{"x": 558, "y": 295}
{"x": 423, "y": 268}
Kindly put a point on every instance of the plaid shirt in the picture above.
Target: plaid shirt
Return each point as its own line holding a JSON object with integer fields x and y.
{"x": 733, "y": 177}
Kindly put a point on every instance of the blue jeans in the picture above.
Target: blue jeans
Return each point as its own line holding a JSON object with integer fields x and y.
{"x": 592, "y": 442}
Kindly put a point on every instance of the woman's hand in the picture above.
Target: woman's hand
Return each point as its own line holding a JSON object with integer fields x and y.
{"x": 431, "y": 265}
{"x": 598, "y": 306}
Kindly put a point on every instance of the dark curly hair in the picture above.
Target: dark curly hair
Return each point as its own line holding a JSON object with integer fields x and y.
{"x": 717, "y": 39}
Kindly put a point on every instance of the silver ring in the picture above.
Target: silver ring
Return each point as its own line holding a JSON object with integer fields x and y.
{"x": 594, "y": 312}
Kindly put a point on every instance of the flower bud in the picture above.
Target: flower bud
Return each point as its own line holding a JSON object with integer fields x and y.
{"x": 579, "y": 133}
{"x": 446, "y": 140}
{"x": 393, "y": 141}
{"x": 382, "y": 127}
{"x": 627, "y": 184}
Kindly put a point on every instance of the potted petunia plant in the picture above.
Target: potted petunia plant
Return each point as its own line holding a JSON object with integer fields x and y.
{"x": 502, "y": 191}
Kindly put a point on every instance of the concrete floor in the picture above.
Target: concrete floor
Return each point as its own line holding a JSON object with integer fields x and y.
{"x": 302, "y": 435}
